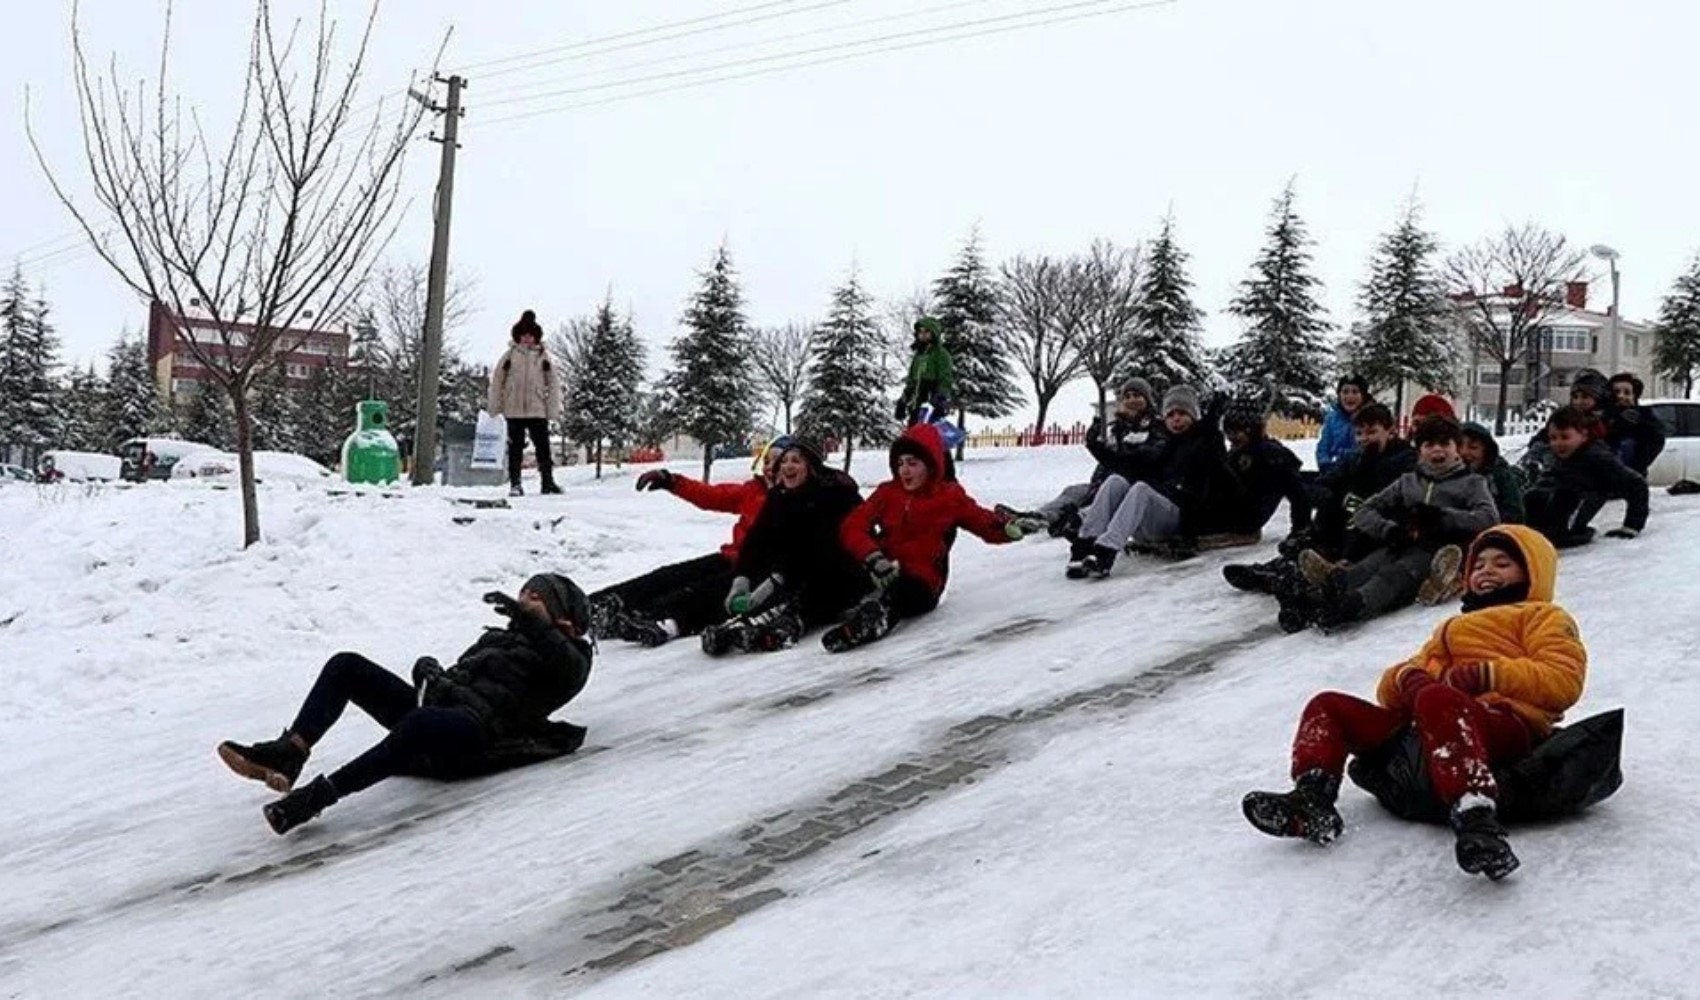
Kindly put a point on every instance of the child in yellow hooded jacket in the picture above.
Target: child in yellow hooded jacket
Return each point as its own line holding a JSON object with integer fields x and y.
{"x": 1487, "y": 686}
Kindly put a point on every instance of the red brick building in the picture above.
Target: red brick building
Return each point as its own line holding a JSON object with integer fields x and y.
{"x": 176, "y": 369}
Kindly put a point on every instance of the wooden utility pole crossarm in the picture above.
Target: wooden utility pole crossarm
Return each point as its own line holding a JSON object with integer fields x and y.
{"x": 431, "y": 356}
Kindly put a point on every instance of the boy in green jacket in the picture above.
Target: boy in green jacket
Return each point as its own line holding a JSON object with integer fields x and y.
{"x": 930, "y": 379}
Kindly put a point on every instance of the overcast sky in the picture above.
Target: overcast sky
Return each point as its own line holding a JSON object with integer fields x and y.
{"x": 1576, "y": 115}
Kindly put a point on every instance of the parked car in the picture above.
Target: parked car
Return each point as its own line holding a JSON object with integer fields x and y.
{"x": 13, "y": 474}
{"x": 269, "y": 466}
{"x": 78, "y": 467}
{"x": 152, "y": 458}
{"x": 1681, "y": 458}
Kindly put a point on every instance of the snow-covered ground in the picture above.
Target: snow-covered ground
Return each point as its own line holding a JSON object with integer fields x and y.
{"x": 1034, "y": 792}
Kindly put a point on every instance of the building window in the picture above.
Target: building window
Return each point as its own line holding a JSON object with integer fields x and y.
{"x": 1632, "y": 345}
{"x": 1570, "y": 340}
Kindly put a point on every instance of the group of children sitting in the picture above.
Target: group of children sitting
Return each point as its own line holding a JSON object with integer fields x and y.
{"x": 1384, "y": 522}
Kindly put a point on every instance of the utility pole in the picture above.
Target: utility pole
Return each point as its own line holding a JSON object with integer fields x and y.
{"x": 431, "y": 356}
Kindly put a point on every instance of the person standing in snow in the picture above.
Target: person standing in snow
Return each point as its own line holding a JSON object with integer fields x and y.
{"x": 792, "y": 573}
{"x": 1489, "y": 684}
{"x": 685, "y": 598}
{"x": 931, "y": 381}
{"x": 902, "y": 536}
{"x": 525, "y": 389}
{"x": 1338, "y": 442}
{"x": 488, "y": 712}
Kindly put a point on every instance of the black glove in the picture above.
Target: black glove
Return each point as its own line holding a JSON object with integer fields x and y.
{"x": 1623, "y": 533}
{"x": 1096, "y": 431}
{"x": 1296, "y": 541}
{"x": 902, "y": 408}
{"x": 427, "y": 672}
{"x": 655, "y": 479}
{"x": 1427, "y": 520}
{"x": 941, "y": 406}
{"x": 504, "y": 605}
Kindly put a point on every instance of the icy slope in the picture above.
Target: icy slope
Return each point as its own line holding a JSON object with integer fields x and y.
{"x": 1033, "y": 792}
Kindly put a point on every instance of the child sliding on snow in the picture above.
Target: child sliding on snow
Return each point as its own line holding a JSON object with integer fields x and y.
{"x": 1488, "y": 685}
{"x": 488, "y": 712}
{"x": 903, "y": 533}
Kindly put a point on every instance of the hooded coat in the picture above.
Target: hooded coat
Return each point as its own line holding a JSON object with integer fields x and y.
{"x": 1504, "y": 482}
{"x": 513, "y": 679}
{"x": 1636, "y": 436}
{"x": 796, "y": 532}
{"x": 1338, "y": 441}
{"x": 1244, "y": 492}
{"x": 930, "y": 374}
{"x": 524, "y": 385}
{"x": 1461, "y": 498}
{"x": 1533, "y": 649}
{"x": 916, "y": 530}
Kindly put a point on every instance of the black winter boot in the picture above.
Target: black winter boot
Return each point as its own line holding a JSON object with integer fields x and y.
{"x": 276, "y": 762}
{"x": 643, "y": 631}
{"x": 718, "y": 640}
{"x": 868, "y": 621}
{"x": 1255, "y": 578}
{"x": 1481, "y": 847}
{"x": 605, "y": 611}
{"x": 1307, "y": 811}
{"x": 1299, "y": 601}
{"x": 771, "y": 630}
{"x": 301, "y": 805}
{"x": 1078, "y": 552}
{"x": 1100, "y": 561}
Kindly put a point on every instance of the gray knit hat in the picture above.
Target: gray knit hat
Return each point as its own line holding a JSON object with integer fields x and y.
{"x": 562, "y": 597}
{"x": 1140, "y": 386}
{"x": 1183, "y": 398}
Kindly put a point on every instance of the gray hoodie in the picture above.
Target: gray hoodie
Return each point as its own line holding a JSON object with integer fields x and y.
{"x": 1462, "y": 497}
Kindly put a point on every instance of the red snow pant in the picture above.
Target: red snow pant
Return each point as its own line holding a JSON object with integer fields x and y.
{"x": 1462, "y": 738}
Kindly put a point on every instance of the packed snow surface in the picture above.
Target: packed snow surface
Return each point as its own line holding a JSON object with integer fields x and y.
{"x": 1096, "y": 848}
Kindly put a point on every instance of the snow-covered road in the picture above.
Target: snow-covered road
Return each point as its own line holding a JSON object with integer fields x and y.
{"x": 1033, "y": 792}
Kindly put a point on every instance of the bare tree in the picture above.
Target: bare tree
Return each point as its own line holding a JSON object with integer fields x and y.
{"x": 1505, "y": 287}
{"x": 571, "y": 350}
{"x": 1110, "y": 318}
{"x": 271, "y": 229}
{"x": 395, "y": 297}
{"x": 782, "y": 363}
{"x": 1040, "y": 316}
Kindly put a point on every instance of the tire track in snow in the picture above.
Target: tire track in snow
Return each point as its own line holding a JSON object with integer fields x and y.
{"x": 674, "y": 902}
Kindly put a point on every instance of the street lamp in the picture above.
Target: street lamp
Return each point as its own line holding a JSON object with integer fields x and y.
{"x": 1610, "y": 256}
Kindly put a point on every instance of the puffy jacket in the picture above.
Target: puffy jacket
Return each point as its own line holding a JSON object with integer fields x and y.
{"x": 1182, "y": 467}
{"x": 1118, "y": 446}
{"x": 1244, "y": 493}
{"x": 1462, "y": 498}
{"x": 1338, "y": 440}
{"x": 930, "y": 374}
{"x": 744, "y": 499}
{"x": 1637, "y": 437}
{"x": 514, "y": 678}
{"x": 796, "y": 532}
{"x": 916, "y": 530}
{"x": 1593, "y": 469}
{"x": 1534, "y": 648}
{"x": 524, "y": 386}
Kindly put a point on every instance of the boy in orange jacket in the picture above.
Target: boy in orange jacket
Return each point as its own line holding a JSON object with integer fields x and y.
{"x": 1488, "y": 685}
{"x": 903, "y": 533}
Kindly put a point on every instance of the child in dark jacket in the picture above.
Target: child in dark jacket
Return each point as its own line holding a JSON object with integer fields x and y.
{"x": 1256, "y": 475}
{"x": 1583, "y": 475}
{"x": 1115, "y": 444}
{"x": 1480, "y": 452}
{"x": 1380, "y": 460}
{"x": 792, "y": 573}
{"x": 1487, "y": 686}
{"x": 1418, "y": 524}
{"x": 902, "y": 536}
{"x": 488, "y": 712}
{"x": 1175, "y": 470}
{"x": 1635, "y": 435}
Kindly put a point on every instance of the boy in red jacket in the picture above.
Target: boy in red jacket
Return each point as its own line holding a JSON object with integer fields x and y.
{"x": 684, "y": 598}
{"x": 903, "y": 533}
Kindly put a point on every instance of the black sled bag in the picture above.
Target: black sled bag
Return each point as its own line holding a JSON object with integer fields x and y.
{"x": 1574, "y": 768}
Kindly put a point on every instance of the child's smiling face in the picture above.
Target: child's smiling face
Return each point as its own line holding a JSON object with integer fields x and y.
{"x": 1495, "y": 569}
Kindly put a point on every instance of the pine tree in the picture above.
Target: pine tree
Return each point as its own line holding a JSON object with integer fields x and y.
{"x": 133, "y": 407}
{"x": 207, "y": 418}
{"x": 29, "y": 353}
{"x": 325, "y": 413}
{"x": 1408, "y": 333}
{"x": 966, "y": 297}
{"x": 1676, "y": 352}
{"x": 82, "y": 411}
{"x": 1286, "y": 340}
{"x": 712, "y": 386}
{"x": 605, "y": 391}
{"x": 1167, "y": 349}
{"x": 846, "y": 400}
{"x": 271, "y": 407}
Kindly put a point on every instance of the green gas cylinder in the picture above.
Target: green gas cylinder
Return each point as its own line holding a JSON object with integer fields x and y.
{"x": 370, "y": 454}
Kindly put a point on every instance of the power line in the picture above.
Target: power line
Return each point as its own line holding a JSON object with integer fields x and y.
{"x": 624, "y": 35}
{"x": 735, "y": 46}
{"x": 1001, "y": 28}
